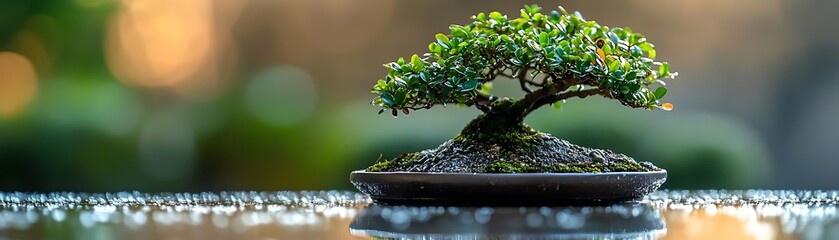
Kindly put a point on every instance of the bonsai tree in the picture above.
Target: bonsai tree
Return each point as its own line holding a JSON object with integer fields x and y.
{"x": 553, "y": 57}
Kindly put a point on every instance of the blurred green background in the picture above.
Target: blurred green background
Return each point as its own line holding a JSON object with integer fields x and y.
{"x": 192, "y": 95}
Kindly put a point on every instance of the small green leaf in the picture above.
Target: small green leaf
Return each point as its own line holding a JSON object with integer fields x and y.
{"x": 416, "y": 62}
{"x": 535, "y": 8}
{"x": 554, "y": 16}
{"x": 442, "y": 39}
{"x": 458, "y": 31}
{"x": 634, "y": 87}
{"x": 569, "y": 57}
{"x": 613, "y": 37}
{"x": 532, "y": 8}
{"x": 486, "y": 88}
{"x": 399, "y": 98}
{"x": 617, "y": 74}
{"x": 620, "y": 32}
{"x": 525, "y": 15}
{"x": 400, "y": 82}
{"x": 518, "y": 53}
{"x": 660, "y": 92}
{"x": 646, "y": 46}
{"x": 497, "y": 16}
{"x": 506, "y": 39}
{"x": 520, "y": 23}
{"x": 614, "y": 65}
{"x": 607, "y": 49}
{"x": 469, "y": 86}
{"x": 433, "y": 48}
{"x": 387, "y": 99}
{"x": 636, "y": 51}
{"x": 631, "y": 75}
{"x": 543, "y": 38}
{"x": 663, "y": 70}
{"x": 557, "y": 105}
{"x": 482, "y": 17}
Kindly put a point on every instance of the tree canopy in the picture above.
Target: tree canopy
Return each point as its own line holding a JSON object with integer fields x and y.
{"x": 553, "y": 56}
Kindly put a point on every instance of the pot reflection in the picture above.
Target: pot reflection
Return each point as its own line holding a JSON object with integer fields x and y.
{"x": 421, "y": 222}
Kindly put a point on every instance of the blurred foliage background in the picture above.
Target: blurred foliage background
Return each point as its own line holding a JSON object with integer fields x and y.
{"x": 191, "y": 95}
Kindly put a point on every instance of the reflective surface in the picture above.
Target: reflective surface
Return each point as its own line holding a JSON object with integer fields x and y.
{"x": 711, "y": 214}
{"x": 402, "y": 222}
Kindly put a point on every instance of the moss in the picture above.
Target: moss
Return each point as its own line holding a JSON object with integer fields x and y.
{"x": 491, "y": 130}
{"x": 583, "y": 167}
{"x": 573, "y": 168}
{"x": 400, "y": 162}
{"x": 493, "y": 143}
{"x": 509, "y": 167}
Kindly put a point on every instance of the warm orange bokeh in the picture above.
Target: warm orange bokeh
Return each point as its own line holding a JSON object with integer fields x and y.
{"x": 728, "y": 222}
{"x": 18, "y": 84}
{"x": 175, "y": 45}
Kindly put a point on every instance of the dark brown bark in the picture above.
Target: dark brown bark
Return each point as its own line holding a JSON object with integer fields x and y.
{"x": 511, "y": 113}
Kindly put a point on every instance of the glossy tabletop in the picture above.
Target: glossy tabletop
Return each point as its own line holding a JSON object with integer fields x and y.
{"x": 706, "y": 214}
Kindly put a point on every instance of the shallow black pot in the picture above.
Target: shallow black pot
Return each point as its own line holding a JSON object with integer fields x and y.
{"x": 506, "y": 188}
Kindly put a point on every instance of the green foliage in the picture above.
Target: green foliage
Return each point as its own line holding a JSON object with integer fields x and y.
{"x": 558, "y": 50}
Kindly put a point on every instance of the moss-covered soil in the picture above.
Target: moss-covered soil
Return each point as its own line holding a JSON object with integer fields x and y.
{"x": 487, "y": 147}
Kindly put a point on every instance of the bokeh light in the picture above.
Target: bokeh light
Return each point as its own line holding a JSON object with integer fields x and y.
{"x": 161, "y": 43}
{"x": 18, "y": 84}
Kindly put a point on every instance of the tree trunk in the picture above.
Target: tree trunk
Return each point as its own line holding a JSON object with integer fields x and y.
{"x": 505, "y": 116}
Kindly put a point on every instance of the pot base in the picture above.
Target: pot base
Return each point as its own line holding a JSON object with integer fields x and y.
{"x": 506, "y": 188}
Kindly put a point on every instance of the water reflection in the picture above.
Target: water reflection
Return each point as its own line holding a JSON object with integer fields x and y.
{"x": 635, "y": 221}
{"x": 225, "y": 215}
{"x": 749, "y": 214}
{"x": 711, "y": 214}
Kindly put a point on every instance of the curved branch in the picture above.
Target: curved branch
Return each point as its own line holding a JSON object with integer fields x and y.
{"x": 522, "y": 76}
{"x": 524, "y": 87}
{"x": 565, "y": 95}
{"x": 522, "y": 79}
{"x": 579, "y": 94}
